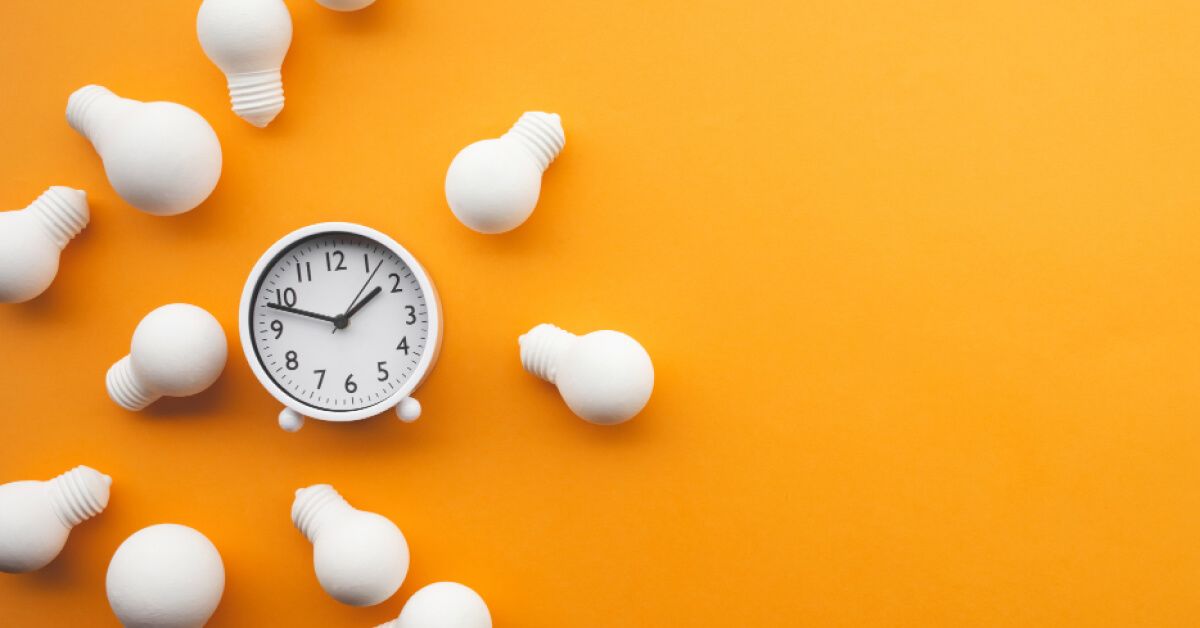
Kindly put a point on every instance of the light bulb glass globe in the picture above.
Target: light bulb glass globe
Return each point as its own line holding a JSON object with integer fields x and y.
{"x": 160, "y": 157}
{"x": 248, "y": 40}
{"x": 166, "y": 575}
{"x": 177, "y": 350}
{"x": 493, "y": 185}
{"x": 28, "y": 259}
{"x": 32, "y": 238}
{"x": 606, "y": 377}
{"x": 444, "y": 605}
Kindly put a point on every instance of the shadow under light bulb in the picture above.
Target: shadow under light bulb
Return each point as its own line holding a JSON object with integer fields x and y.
{"x": 361, "y": 558}
{"x": 160, "y": 157}
{"x": 248, "y": 40}
{"x": 36, "y": 517}
{"x": 177, "y": 350}
{"x": 443, "y": 605}
{"x": 345, "y": 5}
{"x": 32, "y": 238}
{"x": 493, "y": 185}
{"x": 605, "y": 377}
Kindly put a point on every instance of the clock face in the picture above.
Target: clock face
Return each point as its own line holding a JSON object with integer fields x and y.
{"x": 339, "y": 321}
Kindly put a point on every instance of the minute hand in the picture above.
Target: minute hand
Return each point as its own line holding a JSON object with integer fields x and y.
{"x": 292, "y": 310}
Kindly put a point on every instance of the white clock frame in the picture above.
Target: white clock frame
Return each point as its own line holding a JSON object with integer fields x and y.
{"x": 292, "y": 416}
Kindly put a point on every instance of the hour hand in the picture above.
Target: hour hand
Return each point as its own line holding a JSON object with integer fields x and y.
{"x": 293, "y": 310}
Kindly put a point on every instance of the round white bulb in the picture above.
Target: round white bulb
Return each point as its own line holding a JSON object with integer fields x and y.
{"x": 36, "y": 517}
{"x": 443, "y": 605}
{"x": 493, "y": 185}
{"x": 31, "y": 239}
{"x": 248, "y": 40}
{"x": 605, "y": 377}
{"x": 177, "y": 350}
{"x": 345, "y": 5}
{"x": 161, "y": 157}
{"x": 165, "y": 576}
{"x": 361, "y": 558}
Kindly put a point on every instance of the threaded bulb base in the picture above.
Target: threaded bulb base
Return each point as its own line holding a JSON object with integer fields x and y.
{"x": 124, "y": 387}
{"x": 542, "y": 348}
{"x": 80, "y": 105}
{"x": 313, "y": 505}
{"x": 62, "y": 212}
{"x": 540, "y": 133}
{"x": 257, "y": 97}
{"x": 79, "y": 495}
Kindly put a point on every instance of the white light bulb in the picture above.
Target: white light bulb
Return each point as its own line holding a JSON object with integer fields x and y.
{"x": 36, "y": 517}
{"x": 161, "y": 157}
{"x": 443, "y": 605}
{"x": 493, "y": 185}
{"x": 177, "y": 350}
{"x": 248, "y": 40}
{"x": 361, "y": 558}
{"x": 345, "y": 5}
{"x": 165, "y": 576}
{"x": 31, "y": 239}
{"x": 605, "y": 377}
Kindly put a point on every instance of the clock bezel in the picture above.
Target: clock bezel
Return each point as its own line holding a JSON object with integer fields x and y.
{"x": 432, "y": 305}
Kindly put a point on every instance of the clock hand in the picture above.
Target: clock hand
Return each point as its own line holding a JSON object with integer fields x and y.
{"x": 346, "y": 314}
{"x": 358, "y": 306}
{"x": 292, "y": 310}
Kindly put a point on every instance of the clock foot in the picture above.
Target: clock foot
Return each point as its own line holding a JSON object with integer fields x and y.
{"x": 290, "y": 420}
{"x": 408, "y": 409}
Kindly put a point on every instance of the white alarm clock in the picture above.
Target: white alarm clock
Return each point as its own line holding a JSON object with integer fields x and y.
{"x": 340, "y": 323}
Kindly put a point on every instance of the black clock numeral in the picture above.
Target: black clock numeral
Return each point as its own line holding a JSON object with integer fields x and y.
{"x": 285, "y": 297}
{"x": 403, "y": 346}
{"x": 301, "y": 271}
{"x": 341, "y": 258}
{"x": 412, "y": 315}
{"x": 351, "y": 387}
{"x": 320, "y": 373}
{"x": 293, "y": 361}
{"x": 395, "y": 283}
{"x": 383, "y": 373}
{"x": 277, "y": 327}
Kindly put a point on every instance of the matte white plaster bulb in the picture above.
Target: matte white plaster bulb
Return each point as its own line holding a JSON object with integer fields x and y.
{"x": 165, "y": 576}
{"x": 493, "y": 185}
{"x": 36, "y": 517}
{"x": 161, "y": 157}
{"x": 177, "y": 350}
{"x": 443, "y": 605}
{"x": 248, "y": 40}
{"x": 605, "y": 377}
{"x": 361, "y": 558}
{"x": 32, "y": 238}
{"x": 345, "y": 5}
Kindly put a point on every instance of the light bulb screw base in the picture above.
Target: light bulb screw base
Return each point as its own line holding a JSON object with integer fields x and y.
{"x": 542, "y": 349}
{"x": 81, "y": 106}
{"x": 541, "y": 134}
{"x": 79, "y": 495}
{"x": 257, "y": 97}
{"x": 124, "y": 387}
{"x": 62, "y": 211}
{"x": 312, "y": 507}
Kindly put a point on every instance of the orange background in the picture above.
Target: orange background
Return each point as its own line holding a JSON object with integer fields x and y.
{"x": 919, "y": 281}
